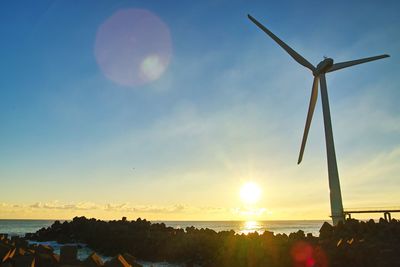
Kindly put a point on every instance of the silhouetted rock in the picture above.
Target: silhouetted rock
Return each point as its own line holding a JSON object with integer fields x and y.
{"x": 93, "y": 261}
{"x": 297, "y": 236}
{"x": 46, "y": 260}
{"x": 352, "y": 243}
{"x": 9, "y": 255}
{"x": 326, "y": 230}
{"x": 4, "y": 250}
{"x": 26, "y": 260}
{"x": 6, "y": 264}
{"x": 20, "y": 242}
{"x": 44, "y": 249}
{"x": 68, "y": 255}
{"x": 131, "y": 260}
{"x": 118, "y": 261}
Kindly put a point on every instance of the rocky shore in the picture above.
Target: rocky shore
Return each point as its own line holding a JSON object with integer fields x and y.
{"x": 354, "y": 243}
{"x": 17, "y": 252}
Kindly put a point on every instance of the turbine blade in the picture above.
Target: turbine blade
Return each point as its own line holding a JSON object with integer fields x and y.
{"x": 311, "y": 107}
{"x": 346, "y": 64}
{"x": 301, "y": 60}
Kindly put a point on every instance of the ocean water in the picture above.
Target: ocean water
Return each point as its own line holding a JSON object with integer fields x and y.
{"x": 20, "y": 227}
{"x": 245, "y": 227}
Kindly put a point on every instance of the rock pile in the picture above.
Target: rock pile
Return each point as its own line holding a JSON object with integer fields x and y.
{"x": 351, "y": 244}
{"x": 17, "y": 252}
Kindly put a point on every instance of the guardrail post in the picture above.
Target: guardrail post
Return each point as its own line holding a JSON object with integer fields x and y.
{"x": 388, "y": 216}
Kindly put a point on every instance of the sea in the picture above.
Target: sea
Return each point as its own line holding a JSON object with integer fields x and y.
{"x": 20, "y": 227}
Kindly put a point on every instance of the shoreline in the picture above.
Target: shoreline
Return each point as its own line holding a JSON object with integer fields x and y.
{"x": 361, "y": 243}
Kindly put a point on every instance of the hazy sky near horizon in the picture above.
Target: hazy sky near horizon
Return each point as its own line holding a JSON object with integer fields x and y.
{"x": 168, "y": 119}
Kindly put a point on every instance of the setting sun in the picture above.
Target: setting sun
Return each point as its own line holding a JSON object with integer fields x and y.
{"x": 250, "y": 193}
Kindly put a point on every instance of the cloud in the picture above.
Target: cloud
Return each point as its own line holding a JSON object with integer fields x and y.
{"x": 121, "y": 207}
{"x": 383, "y": 168}
{"x": 55, "y": 205}
{"x": 178, "y": 208}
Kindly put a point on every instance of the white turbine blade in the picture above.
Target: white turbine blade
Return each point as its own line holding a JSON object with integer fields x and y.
{"x": 311, "y": 107}
{"x": 346, "y": 64}
{"x": 301, "y": 60}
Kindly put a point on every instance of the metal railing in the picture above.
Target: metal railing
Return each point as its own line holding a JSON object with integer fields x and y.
{"x": 385, "y": 210}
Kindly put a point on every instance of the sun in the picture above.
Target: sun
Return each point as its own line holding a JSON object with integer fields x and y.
{"x": 250, "y": 193}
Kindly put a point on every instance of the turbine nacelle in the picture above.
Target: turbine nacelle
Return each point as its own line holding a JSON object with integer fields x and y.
{"x": 323, "y": 66}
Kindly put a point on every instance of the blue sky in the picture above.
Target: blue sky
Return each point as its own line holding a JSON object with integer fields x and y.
{"x": 230, "y": 107}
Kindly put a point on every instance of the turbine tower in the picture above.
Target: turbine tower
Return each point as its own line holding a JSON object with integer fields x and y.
{"x": 319, "y": 72}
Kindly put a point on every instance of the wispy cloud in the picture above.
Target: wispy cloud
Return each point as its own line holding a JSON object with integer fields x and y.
{"x": 111, "y": 207}
{"x": 55, "y": 205}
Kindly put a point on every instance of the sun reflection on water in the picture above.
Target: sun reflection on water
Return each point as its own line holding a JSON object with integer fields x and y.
{"x": 251, "y": 227}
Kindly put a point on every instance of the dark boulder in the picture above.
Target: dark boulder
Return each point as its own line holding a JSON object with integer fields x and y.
{"x": 44, "y": 249}
{"x": 26, "y": 260}
{"x": 118, "y": 261}
{"x": 68, "y": 255}
{"x": 131, "y": 260}
{"x": 326, "y": 231}
{"x": 46, "y": 260}
{"x": 93, "y": 261}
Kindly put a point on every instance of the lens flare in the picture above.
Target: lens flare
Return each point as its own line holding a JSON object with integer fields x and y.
{"x": 133, "y": 47}
{"x": 305, "y": 255}
{"x": 302, "y": 254}
{"x": 151, "y": 68}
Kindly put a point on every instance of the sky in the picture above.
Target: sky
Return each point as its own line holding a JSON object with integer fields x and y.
{"x": 164, "y": 109}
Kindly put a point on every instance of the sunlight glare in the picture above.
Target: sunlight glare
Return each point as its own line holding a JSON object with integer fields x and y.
{"x": 250, "y": 193}
{"x": 251, "y": 227}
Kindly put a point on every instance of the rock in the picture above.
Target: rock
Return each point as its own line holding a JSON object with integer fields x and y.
{"x": 268, "y": 234}
{"x": 44, "y": 249}
{"x": 9, "y": 255}
{"x": 351, "y": 244}
{"x": 45, "y": 260}
{"x": 118, "y": 261}
{"x": 56, "y": 258}
{"x": 20, "y": 242}
{"x": 6, "y": 264}
{"x": 20, "y": 252}
{"x": 68, "y": 254}
{"x": 326, "y": 231}
{"x": 93, "y": 261}
{"x": 339, "y": 243}
{"x": 131, "y": 260}
{"x": 4, "y": 249}
{"x": 297, "y": 235}
{"x": 26, "y": 260}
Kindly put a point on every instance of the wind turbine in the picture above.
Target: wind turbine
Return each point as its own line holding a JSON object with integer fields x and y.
{"x": 319, "y": 72}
